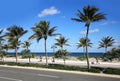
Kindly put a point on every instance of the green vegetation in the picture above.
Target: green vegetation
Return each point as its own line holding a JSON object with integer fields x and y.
{"x": 28, "y": 56}
{"x": 26, "y": 51}
{"x": 61, "y": 53}
{"x": 112, "y": 71}
{"x": 53, "y": 66}
{"x": 13, "y": 35}
{"x": 81, "y": 58}
{"x": 63, "y": 67}
{"x": 106, "y": 42}
{"x": 43, "y": 30}
{"x": 82, "y": 43}
{"x": 113, "y": 54}
{"x": 89, "y": 15}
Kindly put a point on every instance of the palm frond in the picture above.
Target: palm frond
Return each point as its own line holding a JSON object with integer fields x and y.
{"x": 78, "y": 20}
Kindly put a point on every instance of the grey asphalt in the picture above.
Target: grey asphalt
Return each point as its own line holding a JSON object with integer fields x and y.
{"x": 17, "y": 74}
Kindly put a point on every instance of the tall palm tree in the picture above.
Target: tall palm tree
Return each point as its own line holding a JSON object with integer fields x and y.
{"x": 82, "y": 43}
{"x": 43, "y": 30}
{"x": 13, "y": 35}
{"x": 90, "y": 14}
{"x": 26, "y": 45}
{"x": 106, "y": 42}
{"x": 62, "y": 41}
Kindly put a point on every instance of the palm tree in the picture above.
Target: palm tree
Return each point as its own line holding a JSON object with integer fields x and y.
{"x": 13, "y": 35}
{"x": 61, "y": 53}
{"x": 1, "y": 31}
{"x": 64, "y": 52}
{"x": 2, "y": 52}
{"x": 82, "y": 43}
{"x": 1, "y": 39}
{"x": 26, "y": 45}
{"x": 62, "y": 41}
{"x": 43, "y": 30}
{"x": 90, "y": 14}
{"x": 53, "y": 47}
{"x": 106, "y": 42}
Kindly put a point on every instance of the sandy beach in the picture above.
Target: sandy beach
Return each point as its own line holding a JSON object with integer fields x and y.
{"x": 72, "y": 61}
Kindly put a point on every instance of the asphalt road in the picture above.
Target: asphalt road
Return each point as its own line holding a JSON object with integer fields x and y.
{"x": 15, "y": 74}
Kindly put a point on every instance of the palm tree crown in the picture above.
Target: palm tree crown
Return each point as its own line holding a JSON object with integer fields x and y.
{"x": 26, "y": 44}
{"x": 15, "y": 32}
{"x": 106, "y": 42}
{"x": 61, "y": 41}
{"x": 43, "y": 30}
{"x": 89, "y": 14}
{"x": 82, "y": 43}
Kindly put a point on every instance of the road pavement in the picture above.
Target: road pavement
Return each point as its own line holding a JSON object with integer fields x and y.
{"x": 17, "y": 74}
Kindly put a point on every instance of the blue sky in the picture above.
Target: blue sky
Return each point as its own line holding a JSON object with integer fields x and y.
{"x": 26, "y": 13}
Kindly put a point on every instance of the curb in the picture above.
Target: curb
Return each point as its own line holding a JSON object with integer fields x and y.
{"x": 64, "y": 71}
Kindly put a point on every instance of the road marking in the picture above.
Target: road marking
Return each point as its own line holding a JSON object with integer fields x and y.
{"x": 10, "y": 79}
{"x": 50, "y": 76}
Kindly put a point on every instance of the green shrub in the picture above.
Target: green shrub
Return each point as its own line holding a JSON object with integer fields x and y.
{"x": 63, "y": 67}
{"x": 81, "y": 58}
{"x": 72, "y": 68}
{"x": 94, "y": 70}
{"x": 112, "y": 54}
{"x": 112, "y": 71}
{"x": 28, "y": 56}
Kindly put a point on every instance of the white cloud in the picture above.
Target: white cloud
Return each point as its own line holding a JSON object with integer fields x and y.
{"x": 83, "y": 32}
{"x": 57, "y": 37}
{"x": 108, "y": 23}
{"x": 113, "y": 22}
{"x": 104, "y": 24}
{"x": 49, "y": 11}
{"x": 91, "y": 31}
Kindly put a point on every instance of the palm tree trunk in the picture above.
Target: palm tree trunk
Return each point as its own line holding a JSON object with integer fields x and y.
{"x": 84, "y": 51}
{"x": 46, "y": 54}
{"x": 3, "y": 58}
{"x": 54, "y": 54}
{"x": 16, "y": 56}
{"x": 29, "y": 60}
{"x": 105, "y": 49}
{"x": 87, "y": 56}
{"x": 64, "y": 59}
{"x": 29, "y": 56}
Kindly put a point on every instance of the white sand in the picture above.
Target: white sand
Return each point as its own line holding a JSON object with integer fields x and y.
{"x": 72, "y": 61}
